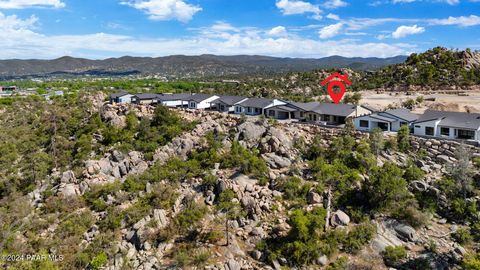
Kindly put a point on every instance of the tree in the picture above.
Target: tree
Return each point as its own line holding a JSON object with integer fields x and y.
{"x": 461, "y": 170}
{"x": 403, "y": 138}
{"x": 377, "y": 141}
{"x": 231, "y": 208}
{"x": 386, "y": 187}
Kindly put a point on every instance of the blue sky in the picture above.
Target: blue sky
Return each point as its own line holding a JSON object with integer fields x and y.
{"x": 98, "y": 29}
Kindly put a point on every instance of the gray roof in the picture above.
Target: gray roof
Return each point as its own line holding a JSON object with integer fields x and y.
{"x": 230, "y": 100}
{"x": 173, "y": 97}
{"x": 309, "y": 106}
{"x": 117, "y": 95}
{"x": 380, "y": 117}
{"x": 145, "y": 96}
{"x": 452, "y": 119}
{"x": 404, "y": 114}
{"x": 256, "y": 102}
{"x": 286, "y": 108}
{"x": 199, "y": 97}
{"x": 335, "y": 109}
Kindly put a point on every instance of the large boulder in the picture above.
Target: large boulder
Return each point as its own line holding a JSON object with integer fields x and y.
{"x": 250, "y": 131}
{"x": 339, "y": 218}
{"x": 69, "y": 190}
{"x": 405, "y": 232}
{"x": 314, "y": 198}
{"x": 68, "y": 177}
{"x": 277, "y": 162}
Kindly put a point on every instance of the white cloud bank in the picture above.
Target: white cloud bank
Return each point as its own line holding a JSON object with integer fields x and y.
{"x": 404, "y": 31}
{"x": 330, "y": 30}
{"x": 295, "y": 7}
{"x": 21, "y": 4}
{"x": 164, "y": 10}
{"x": 20, "y": 40}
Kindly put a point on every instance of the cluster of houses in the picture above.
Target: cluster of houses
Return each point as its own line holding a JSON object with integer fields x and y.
{"x": 440, "y": 124}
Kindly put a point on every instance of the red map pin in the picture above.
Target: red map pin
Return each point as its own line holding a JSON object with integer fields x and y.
{"x": 338, "y": 80}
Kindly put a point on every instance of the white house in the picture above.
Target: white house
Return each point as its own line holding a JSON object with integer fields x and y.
{"x": 257, "y": 106}
{"x": 145, "y": 99}
{"x": 227, "y": 103}
{"x": 390, "y": 120}
{"x": 449, "y": 125}
{"x": 201, "y": 101}
{"x": 174, "y": 100}
{"x": 327, "y": 113}
{"x": 121, "y": 98}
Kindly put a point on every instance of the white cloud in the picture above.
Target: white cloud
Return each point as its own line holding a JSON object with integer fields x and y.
{"x": 164, "y": 10}
{"x": 293, "y": 7}
{"x": 20, "y": 4}
{"x": 278, "y": 31}
{"x": 404, "y": 31}
{"x": 335, "y": 4}
{"x": 20, "y": 40}
{"x": 332, "y": 16}
{"x": 465, "y": 21}
{"x": 330, "y": 30}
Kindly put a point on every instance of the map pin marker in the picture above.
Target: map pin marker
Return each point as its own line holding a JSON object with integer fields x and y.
{"x": 336, "y": 96}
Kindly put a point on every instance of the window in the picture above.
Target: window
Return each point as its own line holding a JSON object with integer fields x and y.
{"x": 364, "y": 123}
{"x": 444, "y": 131}
{"x": 429, "y": 131}
{"x": 193, "y": 105}
{"x": 466, "y": 134}
{"x": 271, "y": 113}
{"x": 301, "y": 114}
{"x": 417, "y": 126}
{"x": 249, "y": 110}
{"x": 257, "y": 110}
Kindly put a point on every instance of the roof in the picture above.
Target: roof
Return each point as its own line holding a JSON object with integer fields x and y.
{"x": 200, "y": 97}
{"x": 144, "y": 96}
{"x": 230, "y": 100}
{"x": 309, "y": 106}
{"x": 117, "y": 95}
{"x": 335, "y": 109}
{"x": 380, "y": 117}
{"x": 256, "y": 102}
{"x": 452, "y": 119}
{"x": 404, "y": 114}
{"x": 286, "y": 108}
{"x": 170, "y": 97}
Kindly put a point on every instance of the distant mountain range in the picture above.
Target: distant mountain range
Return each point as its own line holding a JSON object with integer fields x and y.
{"x": 184, "y": 66}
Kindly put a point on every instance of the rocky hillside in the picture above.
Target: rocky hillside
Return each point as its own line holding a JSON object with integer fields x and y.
{"x": 149, "y": 188}
{"x": 180, "y": 66}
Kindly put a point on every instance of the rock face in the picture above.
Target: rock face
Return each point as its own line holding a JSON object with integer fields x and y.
{"x": 339, "y": 218}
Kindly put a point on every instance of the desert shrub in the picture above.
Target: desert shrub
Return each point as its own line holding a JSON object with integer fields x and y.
{"x": 340, "y": 264}
{"x": 201, "y": 257}
{"x": 190, "y": 216}
{"x": 359, "y": 236}
{"x": 413, "y": 172}
{"x": 462, "y": 236}
{"x": 403, "y": 138}
{"x": 394, "y": 254}
{"x": 248, "y": 162}
{"x": 209, "y": 182}
{"x": 293, "y": 188}
{"x": 471, "y": 261}
{"x": 97, "y": 195}
{"x": 409, "y": 213}
{"x": 98, "y": 261}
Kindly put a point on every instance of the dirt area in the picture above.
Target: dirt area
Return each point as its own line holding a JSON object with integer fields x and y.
{"x": 468, "y": 101}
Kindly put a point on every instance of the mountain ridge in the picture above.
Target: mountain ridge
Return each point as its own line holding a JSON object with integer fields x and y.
{"x": 187, "y": 66}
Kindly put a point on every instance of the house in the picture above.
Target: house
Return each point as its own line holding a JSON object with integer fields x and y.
{"x": 8, "y": 88}
{"x": 145, "y": 99}
{"x": 174, "y": 100}
{"x": 390, "y": 120}
{"x": 121, "y": 98}
{"x": 449, "y": 125}
{"x": 227, "y": 103}
{"x": 201, "y": 101}
{"x": 327, "y": 113}
{"x": 256, "y": 106}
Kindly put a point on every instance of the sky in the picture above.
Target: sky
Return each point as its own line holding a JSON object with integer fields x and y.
{"x": 98, "y": 29}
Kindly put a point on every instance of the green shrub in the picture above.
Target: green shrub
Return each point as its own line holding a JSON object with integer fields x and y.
{"x": 394, "y": 254}
{"x": 293, "y": 188}
{"x": 190, "y": 216}
{"x": 99, "y": 261}
{"x": 463, "y": 236}
{"x": 340, "y": 264}
{"x": 358, "y": 237}
{"x": 471, "y": 261}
